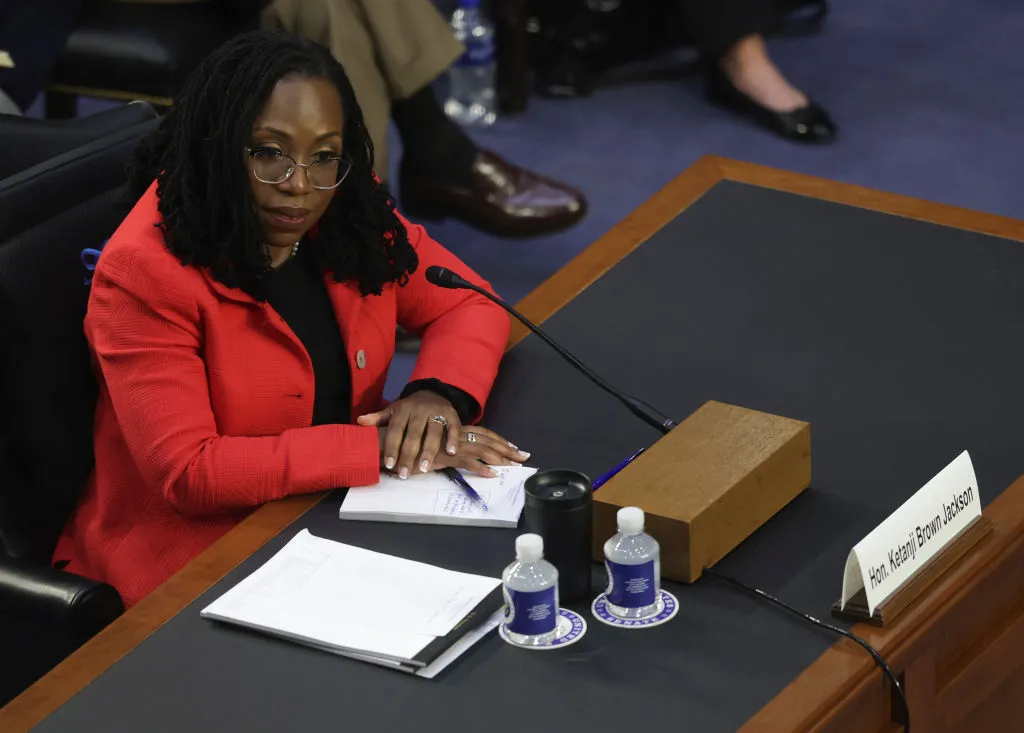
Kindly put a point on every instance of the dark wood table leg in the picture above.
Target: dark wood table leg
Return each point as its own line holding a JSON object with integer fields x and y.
{"x": 513, "y": 74}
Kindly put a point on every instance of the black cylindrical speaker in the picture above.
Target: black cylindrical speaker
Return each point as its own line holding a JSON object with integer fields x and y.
{"x": 559, "y": 508}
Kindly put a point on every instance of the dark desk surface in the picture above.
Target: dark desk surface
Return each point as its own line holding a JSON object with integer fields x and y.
{"x": 898, "y": 340}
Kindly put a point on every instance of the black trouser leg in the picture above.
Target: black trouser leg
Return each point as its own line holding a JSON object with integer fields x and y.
{"x": 716, "y": 25}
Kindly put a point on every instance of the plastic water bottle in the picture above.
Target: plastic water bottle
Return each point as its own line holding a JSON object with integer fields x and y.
{"x": 471, "y": 99}
{"x": 531, "y": 594}
{"x": 633, "y": 560}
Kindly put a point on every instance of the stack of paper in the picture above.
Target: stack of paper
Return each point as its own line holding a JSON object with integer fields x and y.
{"x": 365, "y": 605}
{"x": 432, "y": 498}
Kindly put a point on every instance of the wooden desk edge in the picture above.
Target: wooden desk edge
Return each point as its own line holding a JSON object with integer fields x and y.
{"x": 97, "y": 655}
{"x": 819, "y": 693}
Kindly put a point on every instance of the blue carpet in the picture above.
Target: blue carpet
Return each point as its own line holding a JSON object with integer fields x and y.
{"x": 929, "y": 96}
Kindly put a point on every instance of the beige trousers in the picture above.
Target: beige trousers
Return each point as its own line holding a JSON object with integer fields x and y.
{"x": 389, "y": 48}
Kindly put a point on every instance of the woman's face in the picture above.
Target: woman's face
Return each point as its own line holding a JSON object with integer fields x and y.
{"x": 302, "y": 119}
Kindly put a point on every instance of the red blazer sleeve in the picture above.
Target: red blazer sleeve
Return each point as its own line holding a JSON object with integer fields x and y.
{"x": 144, "y": 330}
{"x": 463, "y": 335}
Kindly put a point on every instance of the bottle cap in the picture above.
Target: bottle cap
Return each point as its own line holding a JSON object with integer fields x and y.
{"x": 529, "y": 547}
{"x": 631, "y": 520}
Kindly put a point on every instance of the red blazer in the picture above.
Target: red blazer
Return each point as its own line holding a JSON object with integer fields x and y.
{"x": 206, "y": 398}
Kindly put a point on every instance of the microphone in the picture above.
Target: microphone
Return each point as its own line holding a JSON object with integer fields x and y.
{"x": 445, "y": 278}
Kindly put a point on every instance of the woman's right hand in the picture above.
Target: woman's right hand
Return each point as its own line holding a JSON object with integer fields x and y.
{"x": 476, "y": 450}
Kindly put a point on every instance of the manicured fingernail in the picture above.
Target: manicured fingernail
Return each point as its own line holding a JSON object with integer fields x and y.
{"x": 512, "y": 445}
{"x": 389, "y": 463}
{"x": 491, "y": 473}
{"x": 451, "y": 450}
{"x": 404, "y": 473}
{"x": 524, "y": 454}
{"x": 513, "y": 463}
{"x": 424, "y": 465}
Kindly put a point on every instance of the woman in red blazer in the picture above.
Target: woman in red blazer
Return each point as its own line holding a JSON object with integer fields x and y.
{"x": 242, "y": 321}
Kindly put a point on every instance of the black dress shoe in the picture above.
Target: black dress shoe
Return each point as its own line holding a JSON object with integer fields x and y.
{"x": 499, "y": 198}
{"x": 810, "y": 124}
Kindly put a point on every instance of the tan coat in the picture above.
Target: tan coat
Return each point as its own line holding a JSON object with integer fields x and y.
{"x": 389, "y": 48}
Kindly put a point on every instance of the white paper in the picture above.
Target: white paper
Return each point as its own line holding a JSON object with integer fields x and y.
{"x": 433, "y": 498}
{"x": 350, "y": 599}
{"x": 913, "y": 534}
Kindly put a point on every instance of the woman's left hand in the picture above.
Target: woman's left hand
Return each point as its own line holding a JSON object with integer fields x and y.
{"x": 479, "y": 449}
{"x": 415, "y": 431}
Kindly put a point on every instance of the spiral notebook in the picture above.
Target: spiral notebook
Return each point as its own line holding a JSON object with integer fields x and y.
{"x": 432, "y": 498}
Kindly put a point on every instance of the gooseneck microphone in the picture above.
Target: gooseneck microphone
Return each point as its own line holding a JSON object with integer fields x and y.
{"x": 445, "y": 278}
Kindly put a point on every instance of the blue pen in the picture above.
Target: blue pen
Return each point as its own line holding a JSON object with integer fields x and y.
{"x": 600, "y": 480}
{"x": 456, "y": 477}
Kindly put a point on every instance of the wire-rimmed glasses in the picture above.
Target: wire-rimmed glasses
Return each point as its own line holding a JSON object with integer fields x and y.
{"x": 324, "y": 172}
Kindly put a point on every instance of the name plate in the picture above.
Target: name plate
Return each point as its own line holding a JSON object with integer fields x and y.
{"x": 940, "y": 513}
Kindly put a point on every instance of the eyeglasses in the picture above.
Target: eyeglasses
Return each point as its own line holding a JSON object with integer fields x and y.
{"x": 270, "y": 165}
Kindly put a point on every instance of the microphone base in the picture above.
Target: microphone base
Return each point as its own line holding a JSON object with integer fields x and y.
{"x": 708, "y": 484}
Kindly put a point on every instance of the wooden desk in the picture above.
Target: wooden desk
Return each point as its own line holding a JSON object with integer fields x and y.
{"x": 960, "y": 649}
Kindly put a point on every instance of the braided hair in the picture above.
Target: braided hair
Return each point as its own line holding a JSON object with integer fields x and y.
{"x": 208, "y": 210}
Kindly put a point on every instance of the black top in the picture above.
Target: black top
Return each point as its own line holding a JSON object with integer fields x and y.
{"x": 296, "y": 290}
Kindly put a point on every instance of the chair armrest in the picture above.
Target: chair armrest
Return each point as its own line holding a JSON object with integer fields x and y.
{"x": 47, "y": 595}
{"x": 26, "y": 141}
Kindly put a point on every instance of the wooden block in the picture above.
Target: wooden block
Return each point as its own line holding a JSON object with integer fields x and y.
{"x": 708, "y": 484}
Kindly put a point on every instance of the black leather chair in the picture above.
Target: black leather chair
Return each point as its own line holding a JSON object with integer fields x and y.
{"x": 26, "y": 141}
{"x": 48, "y": 396}
{"x": 34, "y": 195}
{"x": 143, "y": 51}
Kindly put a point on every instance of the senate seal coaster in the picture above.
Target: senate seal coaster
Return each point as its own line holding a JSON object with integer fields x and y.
{"x": 570, "y": 628}
{"x": 668, "y": 606}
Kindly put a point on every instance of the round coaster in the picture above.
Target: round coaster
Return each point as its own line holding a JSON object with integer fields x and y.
{"x": 668, "y": 607}
{"x": 570, "y": 628}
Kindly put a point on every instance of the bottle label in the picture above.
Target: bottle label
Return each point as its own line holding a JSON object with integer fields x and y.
{"x": 630, "y": 586}
{"x": 479, "y": 52}
{"x": 530, "y": 612}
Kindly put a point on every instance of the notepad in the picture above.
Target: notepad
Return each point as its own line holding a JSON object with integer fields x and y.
{"x": 365, "y": 605}
{"x": 431, "y": 498}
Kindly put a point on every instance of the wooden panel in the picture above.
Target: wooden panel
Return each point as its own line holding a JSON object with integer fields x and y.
{"x": 817, "y": 695}
{"x": 996, "y": 660}
{"x": 851, "y": 699}
{"x": 965, "y": 633}
{"x": 1003, "y": 711}
{"x": 947, "y": 622}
